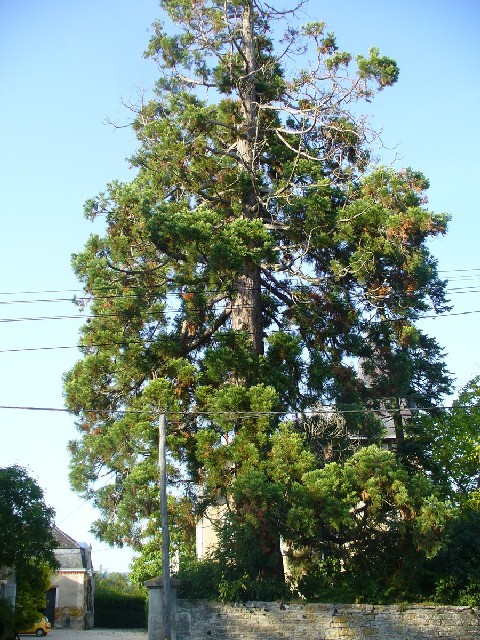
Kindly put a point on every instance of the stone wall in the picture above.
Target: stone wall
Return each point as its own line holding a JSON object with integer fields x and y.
{"x": 201, "y": 620}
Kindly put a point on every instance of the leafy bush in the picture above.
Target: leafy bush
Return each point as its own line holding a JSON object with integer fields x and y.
{"x": 119, "y": 604}
{"x": 454, "y": 590}
{"x": 211, "y": 579}
{"x": 33, "y": 582}
{"x": 199, "y": 580}
{"x": 457, "y": 566}
{"x": 6, "y": 621}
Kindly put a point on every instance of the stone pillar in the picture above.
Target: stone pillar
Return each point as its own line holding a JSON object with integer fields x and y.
{"x": 156, "y": 601}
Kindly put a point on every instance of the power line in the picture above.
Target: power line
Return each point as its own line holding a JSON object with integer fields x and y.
{"x": 80, "y": 506}
{"x": 36, "y": 301}
{"x": 127, "y": 296}
{"x": 157, "y": 338}
{"x": 87, "y": 298}
{"x": 161, "y": 312}
{"x": 77, "y": 290}
{"x": 124, "y": 343}
{"x": 40, "y": 318}
{"x": 458, "y": 270}
{"x": 21, "y": 293}
{"x": 328, "y": 409}
{"x": 20, "y": 408}
{"x": 21, "y": 350}
{"x": 437, "y": 315}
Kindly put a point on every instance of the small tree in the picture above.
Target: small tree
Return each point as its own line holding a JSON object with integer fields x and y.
{"x": 447, "y": 443}
{"x": 26, "y": 540}
{"x": 364, "y": 530}
{"x": 25, "y": 520}
{"x": 33, "y": 582}
{"x": 450, "y": 442}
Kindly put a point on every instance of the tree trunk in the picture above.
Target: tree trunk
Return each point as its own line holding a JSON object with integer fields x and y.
{"x": 247, "y": 314}
{"x": 247, "y": 308}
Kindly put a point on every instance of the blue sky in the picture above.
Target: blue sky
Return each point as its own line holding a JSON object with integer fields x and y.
{"x": 65, "y": 69}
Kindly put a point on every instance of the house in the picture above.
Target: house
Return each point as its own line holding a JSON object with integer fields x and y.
{"x": 70, "y": 599}
{"x": 394, "y": 412}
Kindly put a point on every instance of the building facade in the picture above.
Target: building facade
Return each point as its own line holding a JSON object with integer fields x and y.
{"x": 70, "y": 601}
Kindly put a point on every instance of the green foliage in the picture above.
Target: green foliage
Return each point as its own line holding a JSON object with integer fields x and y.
{"x": 33, "y": 582}
{"x": 119, "y": 603}
{"x": 212, "y": 579}
{"x": 200, "y": 580}
{"x": 25, "y": 520}
{"x": 367, "y": 528}
{"x": 450, "y": 442}
{"x": 256, "y": 259}
{"x": 456, "y": 569}
{"x": 7, "y": 621}
{"x": 26, "y": 541}
{"x": 460, "y": 591}
{"x": 118, "y": 583}
{"x": 383, "y": 69}
{"x": 148, "y": 564}
{"x": 236, "y": 587}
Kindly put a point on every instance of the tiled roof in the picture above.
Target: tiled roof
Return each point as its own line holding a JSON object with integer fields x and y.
{"x": 64, "y": 541}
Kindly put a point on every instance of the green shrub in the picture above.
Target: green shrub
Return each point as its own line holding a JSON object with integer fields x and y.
{"x": 457, "y": 567}
{"x": 455, "y": 591}
{"x": 6, "y": 621}
{"x": 212, "y": 580}
{"x": 199, "y": 580}
{"x": 119, "y": 604}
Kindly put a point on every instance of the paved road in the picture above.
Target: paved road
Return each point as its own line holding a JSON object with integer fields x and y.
{"x": 93, "y": 634}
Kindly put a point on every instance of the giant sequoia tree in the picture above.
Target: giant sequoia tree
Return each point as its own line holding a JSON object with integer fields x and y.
{"x": 257, "y": 256}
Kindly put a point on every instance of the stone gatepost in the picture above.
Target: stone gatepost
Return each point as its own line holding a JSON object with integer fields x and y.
{"x": 156, "y": 603}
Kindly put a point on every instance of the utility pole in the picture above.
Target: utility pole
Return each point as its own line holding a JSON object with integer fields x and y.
{"x": 162, "y": 465}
